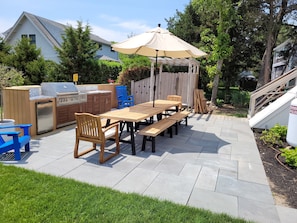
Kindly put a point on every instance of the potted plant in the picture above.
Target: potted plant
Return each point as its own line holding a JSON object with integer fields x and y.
{"x": 8, "y": 77}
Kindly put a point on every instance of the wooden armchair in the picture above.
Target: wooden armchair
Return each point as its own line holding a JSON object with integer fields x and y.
{"x": 89, "y": 128}
{"x": 175, "y": 98}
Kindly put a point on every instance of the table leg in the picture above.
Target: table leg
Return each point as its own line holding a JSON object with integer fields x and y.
{"x": 130, "y": 126}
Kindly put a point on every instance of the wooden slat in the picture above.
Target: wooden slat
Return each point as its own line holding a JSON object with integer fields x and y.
{"x": 178, "y": 116}
{"x": 166, "y": 84}
{"x": 156, "y": 128}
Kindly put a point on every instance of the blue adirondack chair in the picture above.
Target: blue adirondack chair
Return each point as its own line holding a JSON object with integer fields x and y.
{"x": 15, "y": 141}
{"x": 124, "y": 100}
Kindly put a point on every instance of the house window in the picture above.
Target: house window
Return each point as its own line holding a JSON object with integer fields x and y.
{"x": 31, "y": 37}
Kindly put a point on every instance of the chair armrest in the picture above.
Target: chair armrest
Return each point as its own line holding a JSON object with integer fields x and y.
{"x": 114, "y": 125}
{"x": 10, "y": 133}
{"x": 131, "y": 97}
{"x": 24, "y": 127}
{"x": 16, "y": 126}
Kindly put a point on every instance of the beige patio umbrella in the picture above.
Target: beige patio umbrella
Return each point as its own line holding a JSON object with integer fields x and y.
{"x": 158, "y": 42}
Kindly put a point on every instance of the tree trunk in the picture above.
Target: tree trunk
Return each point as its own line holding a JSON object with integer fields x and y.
{"x": 215, "y": 85}
{"x": 268, "y": 57}
{"x": 274, "y": 25}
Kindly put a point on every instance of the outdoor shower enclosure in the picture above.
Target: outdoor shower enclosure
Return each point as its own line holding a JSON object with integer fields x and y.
{"x": 182, "y": 83}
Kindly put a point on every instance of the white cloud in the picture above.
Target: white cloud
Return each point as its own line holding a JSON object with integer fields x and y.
{"x": 117, "y": 31}
{"x": 134, "y": 26}
{"x": 108, "y": 34}
{"x": 6, "y": 24}
{"x": 105, "y": 33}
{"x": 124, "y": 26}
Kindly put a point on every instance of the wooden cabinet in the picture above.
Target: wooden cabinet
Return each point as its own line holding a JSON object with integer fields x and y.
{"x": 98, "y": 103}
{"x": 65, "y": 114}
{"x": 104, "y": 102}
{"x": 93, "y": 104}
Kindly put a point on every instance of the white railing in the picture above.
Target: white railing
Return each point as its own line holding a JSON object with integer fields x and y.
{"x": 271, "y": 91}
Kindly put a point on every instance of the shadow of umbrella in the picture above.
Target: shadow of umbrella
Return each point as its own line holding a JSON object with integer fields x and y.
{"x": 191, "y": 141}
{"x": 209, "y": 142}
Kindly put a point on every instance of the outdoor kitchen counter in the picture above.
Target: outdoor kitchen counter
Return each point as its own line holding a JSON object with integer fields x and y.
{"x": 96, "y": 92}
{"x": 98, "y": 101}
{"x": 21, "y": 103}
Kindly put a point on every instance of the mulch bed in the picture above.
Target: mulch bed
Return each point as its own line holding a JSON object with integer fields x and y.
{"x": 281, "y": 177}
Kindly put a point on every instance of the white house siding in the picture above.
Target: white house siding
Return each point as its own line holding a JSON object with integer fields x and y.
{"x": 47, "y": 49}
{"x": 47, "y": 43}
{"x": 106, "y": 50}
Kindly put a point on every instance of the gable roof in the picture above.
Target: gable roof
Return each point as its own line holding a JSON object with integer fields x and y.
{"x": 52, "y": 30}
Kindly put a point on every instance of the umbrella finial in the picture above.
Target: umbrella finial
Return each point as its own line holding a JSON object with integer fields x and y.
{"x": 159, "y": 25}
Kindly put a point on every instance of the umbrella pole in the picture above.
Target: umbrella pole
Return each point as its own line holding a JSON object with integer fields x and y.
{"x": 155, "y": 73}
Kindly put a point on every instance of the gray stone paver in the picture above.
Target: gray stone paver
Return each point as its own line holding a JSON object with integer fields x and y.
{"x": 171, "y": 187}
{"x": 207, "y": 178}
{"x": 137, "y": 181}
{"x": 287, "y": 215}
{"x": 257, "y": 211}
{"x": 216, "y": 202}
{"x": 213, "y": 163}
{"x": 251, "y": 172}
{"x": 249, "y": 190}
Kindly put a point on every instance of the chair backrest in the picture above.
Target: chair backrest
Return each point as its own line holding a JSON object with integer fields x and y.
{"x": 175, "y": 98}
{"x": 121, "y": 92}
{"x": 89, "y": 127}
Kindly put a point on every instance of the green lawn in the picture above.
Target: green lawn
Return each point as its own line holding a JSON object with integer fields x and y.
{"x": 27, "y": 196}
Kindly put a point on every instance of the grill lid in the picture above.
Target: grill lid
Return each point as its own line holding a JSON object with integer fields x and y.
{"x": 58, "y": 88}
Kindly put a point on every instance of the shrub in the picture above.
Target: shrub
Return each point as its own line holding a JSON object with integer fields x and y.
{"x": 275, "y": 136}
{"x": 135, "y": 74}
{"x": 219, "y": 102}
{"x": 240, "y": 98}
{"x": 290, "y": 156}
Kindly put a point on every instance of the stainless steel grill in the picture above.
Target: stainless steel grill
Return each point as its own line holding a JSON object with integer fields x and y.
{"x": 69, "y": 99}
{"x": 65, "y": 93}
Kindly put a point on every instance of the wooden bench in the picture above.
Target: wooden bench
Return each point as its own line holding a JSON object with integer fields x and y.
{"x": 150, "y": 132}
{"x": 178, "y": 117}
{"x": 17, "y": 141}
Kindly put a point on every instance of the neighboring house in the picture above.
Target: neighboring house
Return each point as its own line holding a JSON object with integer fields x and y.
{"x": 47, "y": 34}
{"x": 281, "y": 63}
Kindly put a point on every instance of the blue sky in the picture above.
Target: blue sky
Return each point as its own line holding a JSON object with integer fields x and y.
{"x": 113, "y": 20}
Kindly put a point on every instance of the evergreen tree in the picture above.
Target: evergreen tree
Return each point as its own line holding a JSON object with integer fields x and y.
{"x": 28, "y": 59}
{"x": 4, "y": 50}
{"x": 77, "y": 54}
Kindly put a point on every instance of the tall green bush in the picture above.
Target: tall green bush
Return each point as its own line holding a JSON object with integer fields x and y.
{"x": 135, "y": 74}
{"x": 108, "y": 70}
{"x": 9, "y": 77}
{"x": 240, "y": 98}
{"x": 275, "y": 135}
{"x": 290, "y": 156}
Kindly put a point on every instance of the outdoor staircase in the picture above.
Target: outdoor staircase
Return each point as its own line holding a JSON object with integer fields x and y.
{"x": 269, "y": 105}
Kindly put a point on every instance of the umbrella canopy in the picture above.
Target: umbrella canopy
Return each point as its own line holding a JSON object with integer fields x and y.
{"x": 160, "y": 40}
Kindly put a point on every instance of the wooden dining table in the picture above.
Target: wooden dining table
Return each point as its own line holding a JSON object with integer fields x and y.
{"x": 137, "y": 113}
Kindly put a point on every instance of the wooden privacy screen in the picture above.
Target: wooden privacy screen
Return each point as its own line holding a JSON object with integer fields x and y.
{"x": 180, "y": 83}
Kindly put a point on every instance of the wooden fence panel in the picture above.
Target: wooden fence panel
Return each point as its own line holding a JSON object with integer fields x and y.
{"x": 141, "y": 90}
{"x": 181, "y": 84}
